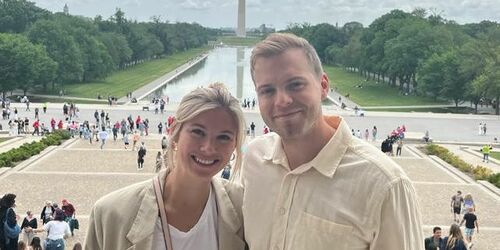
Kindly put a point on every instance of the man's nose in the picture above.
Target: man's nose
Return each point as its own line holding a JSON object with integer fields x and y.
{"x": 283, "y": 99}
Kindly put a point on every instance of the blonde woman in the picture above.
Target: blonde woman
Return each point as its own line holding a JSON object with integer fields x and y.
{"x": 185, "y": 206}
{"x": 455, "y": 241}
{"x": 469, "y": 203}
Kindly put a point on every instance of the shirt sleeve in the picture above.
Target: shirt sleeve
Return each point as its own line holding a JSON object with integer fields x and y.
{"x": 67, "y": 230}
{"x": 400, "y": 219}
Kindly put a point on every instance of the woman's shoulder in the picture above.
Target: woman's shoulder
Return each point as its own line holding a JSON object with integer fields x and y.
{"x": 123, "y": 197}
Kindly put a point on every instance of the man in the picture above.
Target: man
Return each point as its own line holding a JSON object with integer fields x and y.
{"x": 140, "y": 157}
{"x": 311, "y": 185}
{"x": 456, "y": 205}
{"x": 470, "y": 224}
{"x": 433, "y": 242}
{"x": 486, "y": 153}
{"x": 252, "y": 129}
{"x": 103, "y": 136}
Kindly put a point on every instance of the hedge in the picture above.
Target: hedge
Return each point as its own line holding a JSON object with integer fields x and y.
{"x": 478, "y": 172}
{"x": 25, "y": 151}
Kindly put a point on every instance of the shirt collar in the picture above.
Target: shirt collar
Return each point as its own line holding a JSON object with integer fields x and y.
{"x": 327, "y": 160}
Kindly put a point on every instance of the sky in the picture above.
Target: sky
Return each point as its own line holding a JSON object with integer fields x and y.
{"x": 275, "y": 13}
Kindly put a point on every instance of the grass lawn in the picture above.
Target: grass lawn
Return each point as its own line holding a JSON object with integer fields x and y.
{"x": 495, "y": 155}
{"x": 121, "y": 82}
{"x": 2, "y": 139}
{"x": 460, "y": 110}
{"x": 61, "y": 100}
{"x": 372, "y": 93}
{"x": 239, "y": 41}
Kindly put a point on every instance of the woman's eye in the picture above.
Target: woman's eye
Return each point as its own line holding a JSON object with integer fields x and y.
{"x": 198, "y": 132}
{"x": 225, "y": 137}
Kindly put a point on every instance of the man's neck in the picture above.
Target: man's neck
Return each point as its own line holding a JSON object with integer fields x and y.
{"x": 302, "y": 150}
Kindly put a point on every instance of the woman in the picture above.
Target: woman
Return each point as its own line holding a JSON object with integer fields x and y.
{"x": 47, "y": 212}
{"x": 35, "y": 244}
{"x": 469, "y": 203}
{"x": 197, "y": 211}
{"x": 29, "y": 223}
{"x": 7, "y": 213}
{"x": 455, "y": 241}
{"x": 57, "y": 230}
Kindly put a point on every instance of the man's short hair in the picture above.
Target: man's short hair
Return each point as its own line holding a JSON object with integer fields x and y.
{"x": 436, "y": 229}
{"x": 277, "y": 43}
{"x": 459, "y": 192}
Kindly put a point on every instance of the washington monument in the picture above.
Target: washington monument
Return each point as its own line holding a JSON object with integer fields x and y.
{"x": 241, "y": 31}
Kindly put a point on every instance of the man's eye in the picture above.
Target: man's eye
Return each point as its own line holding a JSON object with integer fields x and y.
{"x": 266, "y": 91}
{"x": 296, "y": 85}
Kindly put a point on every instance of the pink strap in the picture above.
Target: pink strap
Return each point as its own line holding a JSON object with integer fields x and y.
{"x": 163, "y": 214}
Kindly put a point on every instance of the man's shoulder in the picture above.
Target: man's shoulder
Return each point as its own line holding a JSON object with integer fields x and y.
{"x": 263, "y": 143}
{"x": 373, "y": 160}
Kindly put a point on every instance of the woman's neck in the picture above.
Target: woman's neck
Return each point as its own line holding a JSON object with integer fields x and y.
{"x": 185, "y": 197}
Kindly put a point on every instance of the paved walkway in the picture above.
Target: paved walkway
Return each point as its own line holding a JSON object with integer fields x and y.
{"x": 471, "y": 155}
{"x": 82, "y": 173}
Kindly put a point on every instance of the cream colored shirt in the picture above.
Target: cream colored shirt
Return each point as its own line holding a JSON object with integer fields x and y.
{"x": 350, "y": 196}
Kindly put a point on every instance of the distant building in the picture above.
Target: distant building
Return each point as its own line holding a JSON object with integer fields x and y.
{"x": 66, "y": 9}
{"x": 241, "y": 29}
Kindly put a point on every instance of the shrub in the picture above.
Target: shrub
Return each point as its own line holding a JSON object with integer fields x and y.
{"x": 482, "y": 173}
{"x": 478, "y": 172}
{"x": 25, "y": 151}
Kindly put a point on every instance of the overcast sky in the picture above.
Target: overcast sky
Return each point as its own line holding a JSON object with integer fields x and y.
{"x": 275, "y": 13}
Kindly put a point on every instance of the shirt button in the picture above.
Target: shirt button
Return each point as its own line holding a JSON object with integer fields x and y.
{"x": 282, "y": 211}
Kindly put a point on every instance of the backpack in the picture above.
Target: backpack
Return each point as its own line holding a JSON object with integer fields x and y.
{"x": 8, "y": 231}
{"x": 142, "y": 152}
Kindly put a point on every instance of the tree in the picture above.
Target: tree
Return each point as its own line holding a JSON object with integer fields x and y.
{"x": 61, "y": 47}
{"x": 23, "y": 64}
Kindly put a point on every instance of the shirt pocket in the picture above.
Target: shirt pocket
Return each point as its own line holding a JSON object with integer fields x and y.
{"x": 313, "y": 232}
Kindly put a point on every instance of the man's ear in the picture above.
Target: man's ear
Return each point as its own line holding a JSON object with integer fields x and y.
{"x": 325, "y": 85}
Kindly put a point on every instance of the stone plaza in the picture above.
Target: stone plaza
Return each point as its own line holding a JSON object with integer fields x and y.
{"x": 82, "y": 173}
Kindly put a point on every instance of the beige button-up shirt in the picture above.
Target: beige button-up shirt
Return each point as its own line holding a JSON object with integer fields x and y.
{"x": 350, "y": 196}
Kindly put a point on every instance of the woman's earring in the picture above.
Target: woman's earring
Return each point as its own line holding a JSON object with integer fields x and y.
{"x": 174, "y": 144}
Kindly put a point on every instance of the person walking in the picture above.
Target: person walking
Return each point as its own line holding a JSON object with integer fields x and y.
{"x": 8, "y": 219}
{"x": 455, "y": 240}
{"x": 399, "y": 147}
{"x": 252, "y": 129}
{"x": 433, "y": 242}
{"x": 140, "y": 156}
{"x": 47, "y": 212}
{"x": 456, "y": 205}
{"x": 69, "y": 212}
{"x": 374, "y": 133}
{"x": 57, "y": 230}
{"x": 471, "y": 223}
{"x": 103, "y": 136}
{"x": 29, "y": 223}
{"x": 135, "y": 139}
{"x": 486, "y": 152}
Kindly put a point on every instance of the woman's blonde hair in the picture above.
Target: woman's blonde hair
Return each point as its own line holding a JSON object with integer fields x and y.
{"x": 468, "y": 197}
{"x": 202, "y": 99}
{"x": 454, "y": 237}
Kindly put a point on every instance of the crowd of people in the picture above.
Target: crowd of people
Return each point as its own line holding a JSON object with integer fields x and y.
{"x": 358, "y": 191}
{"x": 56, "y": 223}
{"x": 463, "y": 209}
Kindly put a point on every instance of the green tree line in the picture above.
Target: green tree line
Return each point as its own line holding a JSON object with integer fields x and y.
{"x": 418, "y": 52}
{"x": 43, "y": 49}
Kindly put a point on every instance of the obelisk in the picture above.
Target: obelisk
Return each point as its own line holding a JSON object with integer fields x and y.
{"x": 240, "y": 30}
